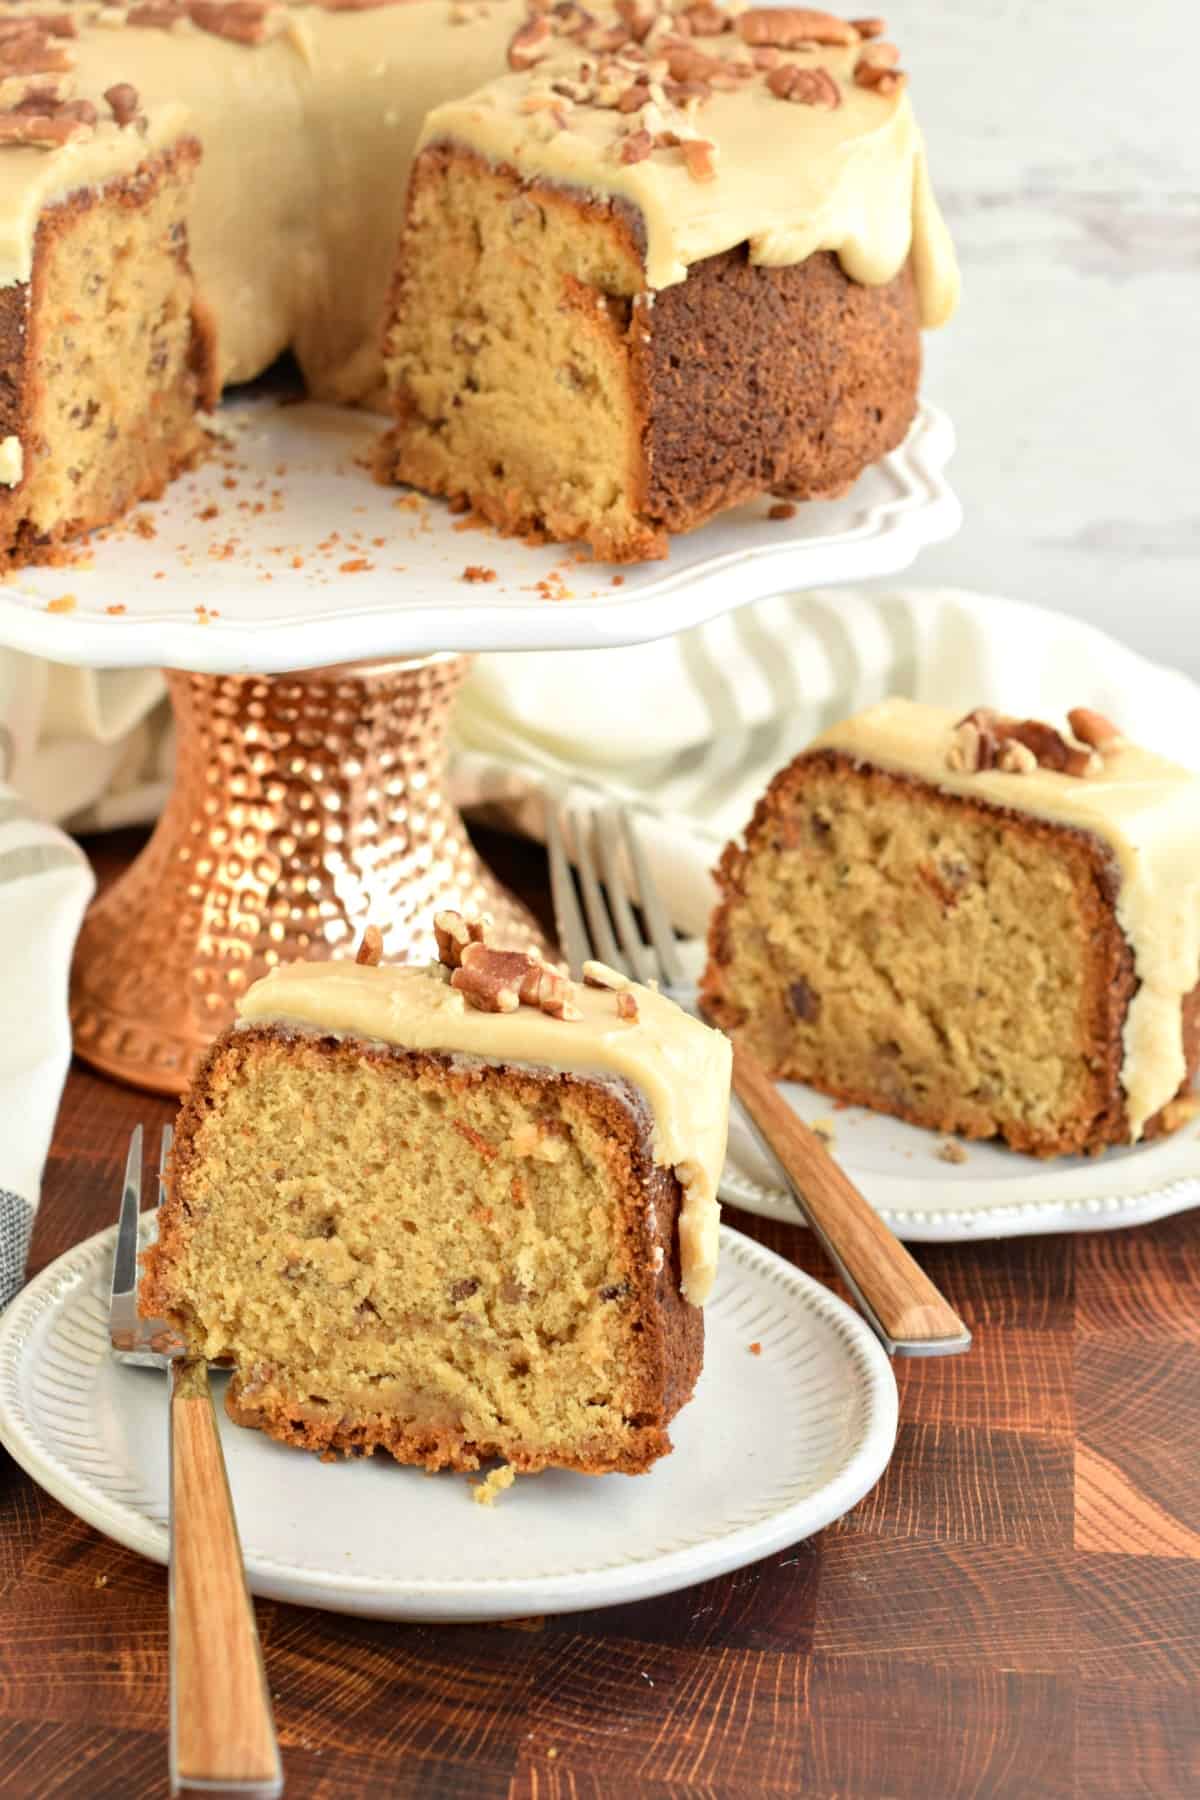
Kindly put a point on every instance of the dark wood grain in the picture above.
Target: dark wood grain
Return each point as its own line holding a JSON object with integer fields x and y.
{"x": 1014, "y": 1612}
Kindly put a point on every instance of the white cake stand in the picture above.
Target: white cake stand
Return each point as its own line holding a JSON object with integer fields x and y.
{"x": 312, "y": 611}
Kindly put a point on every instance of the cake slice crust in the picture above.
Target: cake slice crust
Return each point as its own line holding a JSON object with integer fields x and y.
{"x": 449, "y": 1260}
{"x": 953, "y": 962}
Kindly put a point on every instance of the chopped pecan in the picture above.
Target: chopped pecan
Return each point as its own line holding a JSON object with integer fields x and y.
{"x": 880, "y": 77}
{"x": 598, "y": 974}
{"x": 552, "y": 993}
{"x": 805, "y": 86}
{"x": 638, "y": 15}
{"x": 1048, "y": 745}
{"x": 700, "y": 157}
{"x": 529, "y": 43}
{"x": 627, "y": 1006}
{"x": 636, "y": 147}
{"x": 453, "y": 933}
{"x": 1093, "y": 729}
{"x": 706, "y": 21}
{"x": 766, "y": 57}
{"x": 972, "y": 747}
{"x": 124, "y": 102}
{"x": 491, "y": 980}
{"x": 47, "y": 130}
{"x": 156, "y": 15}
{"x": 686, "y": 64}
{"x": 370, "y": 951}
{"x": 36, "y": 54}
{"x": 634, "y": 98}
{"x": 786, "y": 26}
{"x": 241, "y": 21}
{"x": 1015, "y": 759}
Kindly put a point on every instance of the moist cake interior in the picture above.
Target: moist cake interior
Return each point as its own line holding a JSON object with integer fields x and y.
{"x": 410, "y": 1252}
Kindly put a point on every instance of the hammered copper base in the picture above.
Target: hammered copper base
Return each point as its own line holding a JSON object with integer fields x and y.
{"x": 304, "y": 806}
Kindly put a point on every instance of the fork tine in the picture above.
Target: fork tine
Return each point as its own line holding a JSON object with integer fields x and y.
{"x": 640, "y": 956}
{"x": 568, "y": 920}
{"x": 602, "y": 935}
{"x": 662, "y": 935}
{"x": 124, "y": 1274}
{"x": 164, "y": 1151}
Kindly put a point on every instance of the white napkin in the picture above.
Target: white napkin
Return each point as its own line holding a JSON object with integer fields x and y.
{"x": 689, "y": 729}
{"x": 45, "y": 884}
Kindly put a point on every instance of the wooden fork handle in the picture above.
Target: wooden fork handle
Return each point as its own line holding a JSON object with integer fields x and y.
{"x": 222, "y": 1732}
{"x": 905, "y": 1303}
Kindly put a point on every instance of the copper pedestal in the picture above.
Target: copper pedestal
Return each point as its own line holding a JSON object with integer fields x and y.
{"x": 303, "y": 806}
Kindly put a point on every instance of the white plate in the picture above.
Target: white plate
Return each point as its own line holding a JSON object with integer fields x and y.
{"x": 772, "y": 1448}
{"x": 994, "y": 1193}
{"x": 190, "y": 603}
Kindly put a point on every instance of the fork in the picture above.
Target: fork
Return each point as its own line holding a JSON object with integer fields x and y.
{"x": 896, "y": 1297}
{"x": 222, "y": 1734}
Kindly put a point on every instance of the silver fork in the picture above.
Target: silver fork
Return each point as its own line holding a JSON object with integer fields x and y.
{"x": 899, "y": 1302}
{"x": 222, "y": 1738}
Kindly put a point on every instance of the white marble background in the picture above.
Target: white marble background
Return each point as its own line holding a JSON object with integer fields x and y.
{"x": 1064, "y": 140}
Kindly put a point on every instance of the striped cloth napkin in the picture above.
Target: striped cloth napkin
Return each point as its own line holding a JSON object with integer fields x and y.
{"x": 45, "y": 884}
{"x": 688, "y": 730}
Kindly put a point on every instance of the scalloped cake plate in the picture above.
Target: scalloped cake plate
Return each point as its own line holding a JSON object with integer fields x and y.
{"x": 992, "y": 1193}
{"x": 279, "y": 552}
{"x": 773, "y": 1447}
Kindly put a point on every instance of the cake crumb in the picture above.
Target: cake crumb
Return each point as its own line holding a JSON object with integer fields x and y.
{"x": 1178, "y": 1112}
{"x": 488, "y": 1491}
{"x": 118, "y": 607}
{"x": 756, "y": 1348}
{"x": 357, "y": 565}
{"x": 782, "y": 509}
{"x": 100, "y": 1581}
{"x": 950, "y": 1152}
{"x": 825, "y": 1130}
{"x": 477, "y": 572}
{"x": 64, "y": 604}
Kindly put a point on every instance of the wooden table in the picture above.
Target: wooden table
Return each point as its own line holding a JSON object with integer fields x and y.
{"x": 1014, "y": 1611}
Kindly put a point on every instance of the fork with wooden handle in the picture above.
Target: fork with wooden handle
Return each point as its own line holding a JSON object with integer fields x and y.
{"x": 894, "y": 1294}
{"x": 222, "y": 1738}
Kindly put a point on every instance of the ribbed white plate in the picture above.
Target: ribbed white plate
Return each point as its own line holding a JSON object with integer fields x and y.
{"x": 772, "y": 1448}
{"x": 993, "y": 1193}
{"x": 282, "y": 553}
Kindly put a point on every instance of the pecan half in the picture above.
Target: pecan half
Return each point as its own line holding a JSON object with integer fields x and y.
{"x": 786, "y": 26}
{"x": 880, "y": 77}
{"x": 870, "y": 28}
{"x": 1093, "y": 729}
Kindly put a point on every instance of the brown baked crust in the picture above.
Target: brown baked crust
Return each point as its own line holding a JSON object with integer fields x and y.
{"x": 789, "y": 381}
{"x": 1101, "y": 1121}
{"x": 739, "y": 380}
{"x": 22, "y": 389}
{"x": 669, "y": 1331}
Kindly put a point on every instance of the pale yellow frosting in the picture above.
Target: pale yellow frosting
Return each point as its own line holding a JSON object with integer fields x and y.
{"x": 789, "y": 179}
{"x": 680, "y": 1067}
{"x": 1144, "y": 809}
{"x": 307, "y": 139}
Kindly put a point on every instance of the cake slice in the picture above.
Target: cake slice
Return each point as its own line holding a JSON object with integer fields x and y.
{"x": 670, "y": 262}
{"x": 457, "y": 1212}
{"x": 982, "y": 925}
